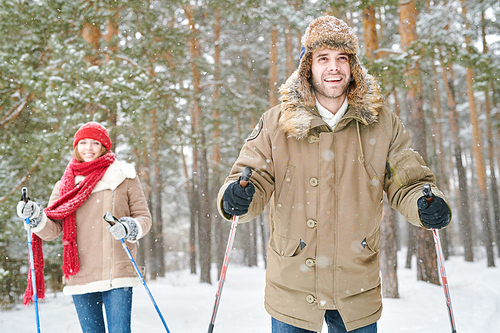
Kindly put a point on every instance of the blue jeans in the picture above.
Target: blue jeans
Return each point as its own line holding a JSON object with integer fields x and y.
{"x": 118, "y": 306}
{"x": 333, "y": 321}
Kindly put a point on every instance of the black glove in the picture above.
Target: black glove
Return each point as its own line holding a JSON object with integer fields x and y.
{"x": 237, "y": 199}
{"x": 434, "y": 215}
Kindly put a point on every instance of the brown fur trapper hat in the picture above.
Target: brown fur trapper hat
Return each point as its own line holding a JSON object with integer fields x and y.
{"x": 330, "y": 32}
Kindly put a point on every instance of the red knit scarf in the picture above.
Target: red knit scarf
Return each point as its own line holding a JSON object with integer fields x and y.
{"x": 70, "y": 199}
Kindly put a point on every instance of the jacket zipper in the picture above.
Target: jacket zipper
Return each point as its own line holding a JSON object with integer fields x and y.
{"x": 111, "y": 245}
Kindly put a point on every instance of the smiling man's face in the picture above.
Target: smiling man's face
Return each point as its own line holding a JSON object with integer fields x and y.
{"x": 330, "y": 74}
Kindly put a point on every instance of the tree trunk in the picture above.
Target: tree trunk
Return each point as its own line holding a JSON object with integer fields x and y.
{"x": 370, "y": 32}
{"x": 253, "y": 237}
{"x": 464, "y": 206}
{"x": 199, "y": 155}
{"x": 389, "y": 252}
{"x": 397, "y": 109}
{"x": 158, "y": 269}
{"x": 481, "y": 171}
{"x": 112, "y": 31}
{"x": 426, "y": 253}
{"x": 299, "y": 34}
{"x": 245, "y": 237}
{"x": 217, "y": 176}
{"x": 290, "y": 67}
{"x": 92, "y": 34}
{"x": 491, "y": 149}
{"x": 495, "y": 199}
{"x": 411, "y": 245}
{"x": 249, "y": 243}
{"x": 478, "y": 155}
{"x": 273, "y": 68}
{"x": 195, "y": 116}
{"x": 193, "y": 225}
{"x": 205, "y": 225}
{"x": 143, "y": 248}
{"x": 497, "y": 120}
{"x": 441, "y": 174}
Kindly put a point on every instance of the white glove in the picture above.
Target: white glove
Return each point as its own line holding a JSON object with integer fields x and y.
{"x": 31, "y": 210}
{"x": 126, "y": 227}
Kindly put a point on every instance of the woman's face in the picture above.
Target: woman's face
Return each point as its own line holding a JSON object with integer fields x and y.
{"x": 89, "y": 149}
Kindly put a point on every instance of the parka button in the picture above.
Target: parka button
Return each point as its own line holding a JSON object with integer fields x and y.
{"x": 311, "y": 223}
{"x": 280, "y": 205}
{"x": 313, "y": 181}
{"x": 310, "y": 262}
{"x": 310, "y": 299}
{"x": 288, "y": 179}
{"x": 312, "y": 139}
{"x": 282, "y": 252}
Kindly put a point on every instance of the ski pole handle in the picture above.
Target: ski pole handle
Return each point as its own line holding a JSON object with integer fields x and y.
{"x": 24, "y": 194}
{"x": 426, "y": 190}
{"x": 245, "y": 176}
{"x": 108, "y": 217}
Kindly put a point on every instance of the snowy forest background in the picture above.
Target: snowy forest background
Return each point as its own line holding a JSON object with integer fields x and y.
{"x": 180, "y": 84}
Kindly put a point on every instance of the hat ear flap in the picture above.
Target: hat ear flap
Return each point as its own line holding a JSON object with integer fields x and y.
{"x": 357, "y": 88}
{"x": 304, "y": 77}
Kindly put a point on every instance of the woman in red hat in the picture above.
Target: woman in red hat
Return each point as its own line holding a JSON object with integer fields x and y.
{"x": 97, "y": 271}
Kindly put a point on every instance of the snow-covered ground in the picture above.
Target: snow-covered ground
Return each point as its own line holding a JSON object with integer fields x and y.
{"x": 187, "y": 305}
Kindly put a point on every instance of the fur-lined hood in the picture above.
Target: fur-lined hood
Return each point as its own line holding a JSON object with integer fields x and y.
{"x": 296, "y": 116}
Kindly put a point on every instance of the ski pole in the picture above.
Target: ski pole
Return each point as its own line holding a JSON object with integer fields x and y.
{"x": 428, "y": 196}
{"x": 24, "y": 197}
{"x": 108, "y": 217}
{"x": 245, "y": 176}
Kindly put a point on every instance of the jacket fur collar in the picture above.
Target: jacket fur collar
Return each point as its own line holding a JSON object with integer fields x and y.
{"x": 296, "y": 118}
{"x": 116, "y": 173}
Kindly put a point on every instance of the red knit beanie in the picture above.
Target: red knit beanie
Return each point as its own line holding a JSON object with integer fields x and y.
{"x": 93, "y": 131}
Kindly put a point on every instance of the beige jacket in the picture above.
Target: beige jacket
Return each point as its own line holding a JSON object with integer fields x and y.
{"x": 325, "y": 188}
{"x": 104, "y": 264}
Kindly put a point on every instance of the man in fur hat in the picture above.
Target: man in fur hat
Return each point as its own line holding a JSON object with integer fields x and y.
{"x": 323, "y": 159}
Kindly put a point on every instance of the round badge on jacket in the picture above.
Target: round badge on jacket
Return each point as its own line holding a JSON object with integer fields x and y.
{"x": 256, "y": 131}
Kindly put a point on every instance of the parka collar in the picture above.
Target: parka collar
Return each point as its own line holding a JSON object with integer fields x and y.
{"x": 297, "y": 119}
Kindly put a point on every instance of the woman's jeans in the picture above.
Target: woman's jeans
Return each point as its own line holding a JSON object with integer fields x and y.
{"x": 333, "y": 321}
{"x": 117, "y": 304}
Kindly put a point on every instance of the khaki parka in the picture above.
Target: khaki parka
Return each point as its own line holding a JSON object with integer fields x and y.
{"x": 325, "y": 187}
{"x": 104, "y": 264}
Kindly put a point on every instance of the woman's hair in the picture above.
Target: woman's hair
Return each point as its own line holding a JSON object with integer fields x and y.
{"x": 79, "y": 158}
